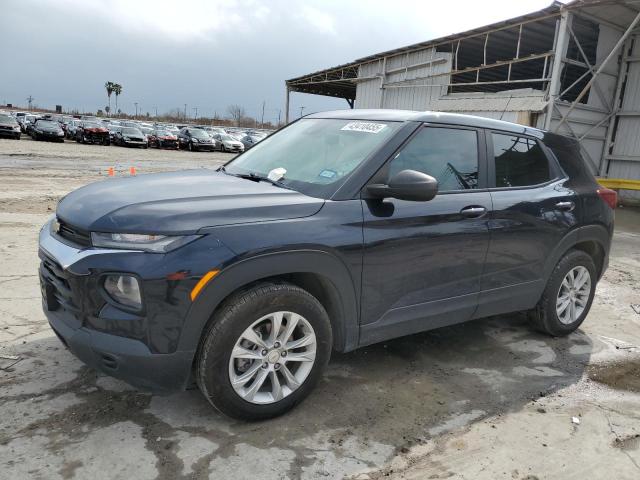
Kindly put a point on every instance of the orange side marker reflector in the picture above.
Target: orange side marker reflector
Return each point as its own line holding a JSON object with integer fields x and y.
{"x": 207, "y": 277}
{"x": 110, "y": 172}
{"x": 132, "y": 170}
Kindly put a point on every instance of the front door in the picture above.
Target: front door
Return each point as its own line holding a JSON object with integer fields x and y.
{"x": 423, "y": 260}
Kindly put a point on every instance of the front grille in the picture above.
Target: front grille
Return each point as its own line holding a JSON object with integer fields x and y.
{"x": 4, "y": 127}
{"x": 74, "y": 235}
{"x": 54, "y": 276}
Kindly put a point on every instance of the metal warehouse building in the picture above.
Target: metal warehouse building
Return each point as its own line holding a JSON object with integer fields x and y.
{"x": 573, "y": 69}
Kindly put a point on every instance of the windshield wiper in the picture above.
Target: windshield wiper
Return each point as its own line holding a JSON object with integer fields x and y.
{"x": 256, "y": 178}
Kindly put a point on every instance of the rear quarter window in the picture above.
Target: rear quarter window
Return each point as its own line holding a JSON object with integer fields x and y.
{"x": 519, "y": 161}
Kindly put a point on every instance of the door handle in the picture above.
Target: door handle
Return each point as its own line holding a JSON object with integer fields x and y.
{"x": 565, "y": 206}
{"x": 473, "y": 212}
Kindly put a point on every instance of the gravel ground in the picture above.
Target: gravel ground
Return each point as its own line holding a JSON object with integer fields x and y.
{"x": 484, "y": 400}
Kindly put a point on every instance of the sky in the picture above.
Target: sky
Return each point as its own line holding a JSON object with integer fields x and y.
{"x": 210, "y": 54}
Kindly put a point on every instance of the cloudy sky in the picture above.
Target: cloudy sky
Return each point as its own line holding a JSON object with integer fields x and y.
{"x": 210, "y": 53}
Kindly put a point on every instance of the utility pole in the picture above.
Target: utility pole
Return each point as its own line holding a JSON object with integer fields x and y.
{"x": 195, "y": 116}
{"x": 279, "y": 113}
{"x": 136, "y": 104}
{"x": 185, "y": 111}
{"x": 156, "y": 109}
{"x": 30, "y": 99}
{"x": 262, "y": 118}
{"x": 301, "y": 109}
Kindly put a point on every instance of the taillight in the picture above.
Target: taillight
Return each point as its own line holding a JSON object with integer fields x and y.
{"x": 609, "y": 196}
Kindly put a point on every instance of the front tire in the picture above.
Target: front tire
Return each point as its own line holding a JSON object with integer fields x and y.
{"x": 264, "y": 351}
{"x": 568, "y": 296}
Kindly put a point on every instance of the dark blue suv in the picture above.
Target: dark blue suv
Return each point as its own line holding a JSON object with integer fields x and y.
{"x": 343, "y": 229}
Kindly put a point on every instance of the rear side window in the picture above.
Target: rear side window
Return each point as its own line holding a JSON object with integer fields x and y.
{"x": 519, "y": 161}
{"x": 449, "y": 155}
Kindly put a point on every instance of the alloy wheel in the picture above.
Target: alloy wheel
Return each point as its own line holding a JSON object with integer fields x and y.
{"x": 272, "y": 358}
{"x": 573, "y": 295}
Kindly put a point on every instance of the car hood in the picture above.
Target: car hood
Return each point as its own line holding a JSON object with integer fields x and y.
{"x": 180, "y": 203}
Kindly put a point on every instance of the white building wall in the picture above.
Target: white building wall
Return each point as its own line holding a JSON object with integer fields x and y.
{"x": 400, "y": 72}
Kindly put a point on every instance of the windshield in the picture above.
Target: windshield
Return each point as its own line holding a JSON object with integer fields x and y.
{"x": 318, "y": 154}
{"x": 227, "y": 138}
{"x": 47, "y": 123}
{"x": 198, "y": 133}
{"x": 6, "y": 119}
{"x": 162, "y": 133}
{"x": 131, "y": 131}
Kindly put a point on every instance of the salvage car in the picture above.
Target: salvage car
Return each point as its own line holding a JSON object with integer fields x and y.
{"x": 162, "y": 139}
{"x": 44, "y": 129}
{"x": 92, "y": 132}
{"x": 9, "y": 127}
{"x": 227, "y": 143}
{"x": 251, "y": 139}
{"x": 130, "y": 137}
{"x": 341, "y": 230}
{"x": 195, "y": 139}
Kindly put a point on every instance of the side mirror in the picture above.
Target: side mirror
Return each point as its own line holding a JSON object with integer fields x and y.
{"x": 407, "y": 185}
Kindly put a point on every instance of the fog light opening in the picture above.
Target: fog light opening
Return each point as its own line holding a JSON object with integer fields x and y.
{"x": 124, "y": 290}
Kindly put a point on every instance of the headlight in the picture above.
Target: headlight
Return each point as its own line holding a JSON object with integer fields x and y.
{"x": 147, "y": 243}
{"x": 194, "y": 140}
{"x": 126, "y": 138}
{"x": 123, "y": 289}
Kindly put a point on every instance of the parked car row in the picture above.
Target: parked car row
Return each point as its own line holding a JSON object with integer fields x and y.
{"x": 129, "y": 133}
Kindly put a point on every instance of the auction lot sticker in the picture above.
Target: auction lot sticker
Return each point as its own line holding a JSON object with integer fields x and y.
{"x": 367, "y": 127}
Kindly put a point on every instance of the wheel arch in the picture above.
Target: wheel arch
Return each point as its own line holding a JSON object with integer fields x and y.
{"x": 321, "y": 273}
{"x": 594, "y": 240}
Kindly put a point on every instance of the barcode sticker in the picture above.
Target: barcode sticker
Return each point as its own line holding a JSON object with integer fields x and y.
{"x": 367, "y": 127}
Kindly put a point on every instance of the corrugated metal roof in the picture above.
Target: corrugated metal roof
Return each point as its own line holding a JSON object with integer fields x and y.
{"x": 509, "y": 101}
{"x": 552, "y": 9}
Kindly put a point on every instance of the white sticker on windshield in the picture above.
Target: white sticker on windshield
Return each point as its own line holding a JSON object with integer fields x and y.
{"x": 368, "y": 127}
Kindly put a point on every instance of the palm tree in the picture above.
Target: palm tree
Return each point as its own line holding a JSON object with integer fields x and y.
{"x": 109, "y": 87}
{"x": 117, "y": 90}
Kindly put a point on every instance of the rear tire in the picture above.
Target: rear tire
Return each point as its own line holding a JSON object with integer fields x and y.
{"x": 567, "y": 298}
{"x": 282, "y": 382}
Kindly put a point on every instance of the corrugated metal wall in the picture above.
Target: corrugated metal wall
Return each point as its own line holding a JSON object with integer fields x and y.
{"x": 624, "y": 159}
{"x": 399, "y": 73}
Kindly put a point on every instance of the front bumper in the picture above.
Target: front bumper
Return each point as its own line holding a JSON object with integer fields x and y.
{"x": 134, "y": 143}
{"x": 209, "y": 147}
{"x": 123, "y": 358}
{"x": 50, "y": 136}
{"x": 116, "y": 343}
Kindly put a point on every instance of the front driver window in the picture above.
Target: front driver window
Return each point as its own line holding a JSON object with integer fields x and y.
{"x": 449, "y": 155}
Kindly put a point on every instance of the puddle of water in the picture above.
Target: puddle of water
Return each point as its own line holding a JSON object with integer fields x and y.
{"x": 620, "y": 375}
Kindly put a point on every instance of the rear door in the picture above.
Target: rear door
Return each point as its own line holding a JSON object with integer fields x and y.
{"x": 533, "y": 209}
{"x": 423, "y": 260}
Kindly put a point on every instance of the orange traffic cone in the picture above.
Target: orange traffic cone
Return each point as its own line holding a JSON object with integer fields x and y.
{"x": 110, "y": 172}
{"x": 132, "y": 170}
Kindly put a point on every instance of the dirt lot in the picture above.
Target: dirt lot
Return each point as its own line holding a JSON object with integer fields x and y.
{"x": 484, "y": 400}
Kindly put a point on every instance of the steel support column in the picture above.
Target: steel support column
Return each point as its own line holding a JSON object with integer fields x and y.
{"x": 560, "y": 50}
{"x": 286, "y": 106}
